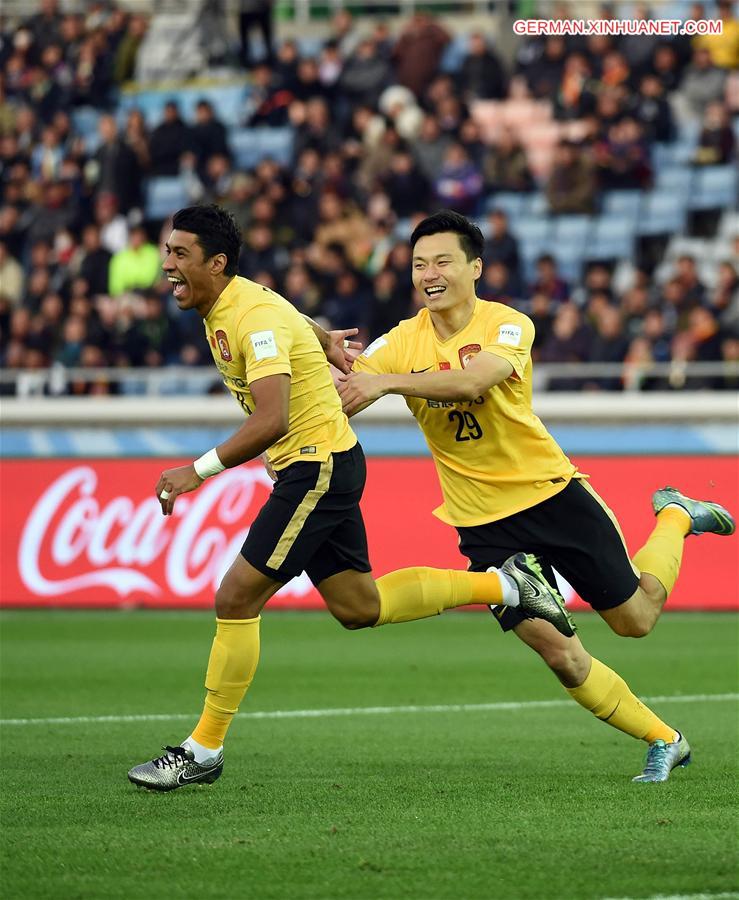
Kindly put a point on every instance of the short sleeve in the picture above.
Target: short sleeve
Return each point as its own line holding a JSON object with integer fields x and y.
{"x": 380, "y": 357}
{"x": 265, "y": 338}
{"x": 511, "y": 339}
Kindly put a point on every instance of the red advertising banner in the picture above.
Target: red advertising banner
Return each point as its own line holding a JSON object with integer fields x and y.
{"x": 90, "y": 533}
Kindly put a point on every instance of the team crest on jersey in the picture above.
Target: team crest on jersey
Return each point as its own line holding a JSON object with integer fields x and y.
{"x": 468, "y": 353}
{"x": 444, "y": 366}
{"x": 222, "y": 341}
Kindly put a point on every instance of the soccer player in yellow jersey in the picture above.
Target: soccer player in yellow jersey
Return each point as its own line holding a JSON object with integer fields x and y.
{"x": 273, "y": 363}
{"x": 464, "y": 367}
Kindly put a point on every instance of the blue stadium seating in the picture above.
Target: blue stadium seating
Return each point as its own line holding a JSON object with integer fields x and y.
{"x": 533, "y": 229}
{"x": 227, "y": 101}
{"x": 569, "y": 261}
{"x": 454, "y": 54}
{"x": 572, "y": 230}
{"x": 613, "y": 238}
{"x": 164, "y": 195}
{"x": 663, "y": 212}
{"x": 680, "y": 152}
{"x": 714, "y": 187}
{"x": 537, "y": 204}
{"x": 512, "y": 204}
{"x": 402, "y": 230}
{"x": 674, "y": 178}
{"x": 251, "y": 145}
{"x": 310, "y": 47}
{"x": 85, "y": 120}
{"x": 622, "y": 203}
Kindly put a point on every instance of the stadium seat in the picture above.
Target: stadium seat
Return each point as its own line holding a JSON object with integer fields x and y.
{"x": 714, "y": 187}
{"x": 572, "y": 230}
{"x": 533, "y": 229}
{"x": 663, "y": 212}
{"x": 85, "y": 120}
{"x": 622, "y": 203}
{"x": 454, "y": 54}
{"x": 674, "y": 178}
{"x": 613, "y": 238}
{"x": 537, "y": 204}
{"x": 402, "y": 230}
{"x": 530, "y": 251}
{"x": 164, "y": 195}
{"x": 569, "y": 261}
{"x": 251, "y": 145}
{"x": 513, "y": 205}
{"x": 675, "y": 154}
{"x": 227, "y": 101}
{"x": 310, "y": 46}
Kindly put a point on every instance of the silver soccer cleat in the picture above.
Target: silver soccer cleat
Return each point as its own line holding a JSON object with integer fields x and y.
{"x": 705, "y": 517}
{"x": 539, "y": 600}
{"x": 662, "y": 759}
{"x": 176, "y": 768}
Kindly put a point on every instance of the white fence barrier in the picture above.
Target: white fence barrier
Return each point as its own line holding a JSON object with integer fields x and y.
{"x": 578, "y": 407}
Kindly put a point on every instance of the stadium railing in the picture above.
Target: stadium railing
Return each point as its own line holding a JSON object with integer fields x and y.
{"x": 565, "y": 407}
{"x": 170, "y": 381}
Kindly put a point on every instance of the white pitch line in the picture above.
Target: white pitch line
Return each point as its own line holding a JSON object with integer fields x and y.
{"x": 730, "y": 895}
{"x": 361, "y": 711}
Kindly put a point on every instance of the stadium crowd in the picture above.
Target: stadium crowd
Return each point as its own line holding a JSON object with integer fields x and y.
{"x": 382, "y": 134}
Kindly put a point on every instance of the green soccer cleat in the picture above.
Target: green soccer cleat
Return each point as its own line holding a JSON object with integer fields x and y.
{"x": 662, "y": 758}
{"x": 538, "y": 599}
{"x": 176, "y": 768}
{"x": 705, "y": 517}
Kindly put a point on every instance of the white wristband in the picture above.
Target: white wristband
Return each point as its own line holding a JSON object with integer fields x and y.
{"x": 208, "y": 464}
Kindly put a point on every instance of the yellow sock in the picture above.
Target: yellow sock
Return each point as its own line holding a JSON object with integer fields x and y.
{"x": 608, "y": 697}
{"x": 233, "y": 661}
{"x": 663, "y": 552}
{"x": 416, "y": 593}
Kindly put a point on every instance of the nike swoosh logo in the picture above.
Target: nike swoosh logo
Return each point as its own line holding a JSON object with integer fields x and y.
{"x": 182, "y": 778}
{"x": 418, "y": 371}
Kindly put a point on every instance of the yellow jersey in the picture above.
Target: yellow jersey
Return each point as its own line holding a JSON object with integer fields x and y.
{"x": 254, "y": 333}
{"x": 493, "y": 456}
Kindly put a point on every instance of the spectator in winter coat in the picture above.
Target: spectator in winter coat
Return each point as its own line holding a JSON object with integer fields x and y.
{"x": 418, "y": 51}
{"x": 169, "y": 141}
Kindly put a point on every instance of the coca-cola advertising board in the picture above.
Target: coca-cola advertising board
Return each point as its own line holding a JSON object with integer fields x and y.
{"x": 84, "y": 533}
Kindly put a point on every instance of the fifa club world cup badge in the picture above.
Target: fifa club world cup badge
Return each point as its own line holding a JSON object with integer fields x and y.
{"x": 223, "y": 345}
{"x": 468, "y": 353}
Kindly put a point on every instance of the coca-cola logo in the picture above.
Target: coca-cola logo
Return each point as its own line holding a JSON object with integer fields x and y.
{"x": 74, "y": 541}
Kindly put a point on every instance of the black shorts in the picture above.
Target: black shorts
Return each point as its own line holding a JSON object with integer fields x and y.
{"x": 312, "y": 521}
{"x": 573, "y": 532}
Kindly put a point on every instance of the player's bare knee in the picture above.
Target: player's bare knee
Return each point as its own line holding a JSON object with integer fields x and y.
{"x": 353, "y": 619}
{"x": 231, "y": 604}
{"x": 356, "y": 624}
{"x": 632, "y": 628}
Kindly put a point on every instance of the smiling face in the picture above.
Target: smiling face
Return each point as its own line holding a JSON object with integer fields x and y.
{"x": 442, "y": 274}
{"x": 194, "y": 279}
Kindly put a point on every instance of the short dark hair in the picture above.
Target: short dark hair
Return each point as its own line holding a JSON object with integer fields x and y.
{"x": 216, "y": 232}
{"x": 470, "y": 236}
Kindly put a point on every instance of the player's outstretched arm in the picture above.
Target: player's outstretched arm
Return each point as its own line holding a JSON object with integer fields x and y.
{"x": 264, "y": 427}
{"x": 359, "y": 389}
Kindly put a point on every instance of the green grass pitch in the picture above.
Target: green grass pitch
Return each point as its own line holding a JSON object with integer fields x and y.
{"x": 533, "y": 801}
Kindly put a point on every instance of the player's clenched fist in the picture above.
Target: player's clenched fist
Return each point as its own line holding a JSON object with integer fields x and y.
{"x": 173, "y": 482}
